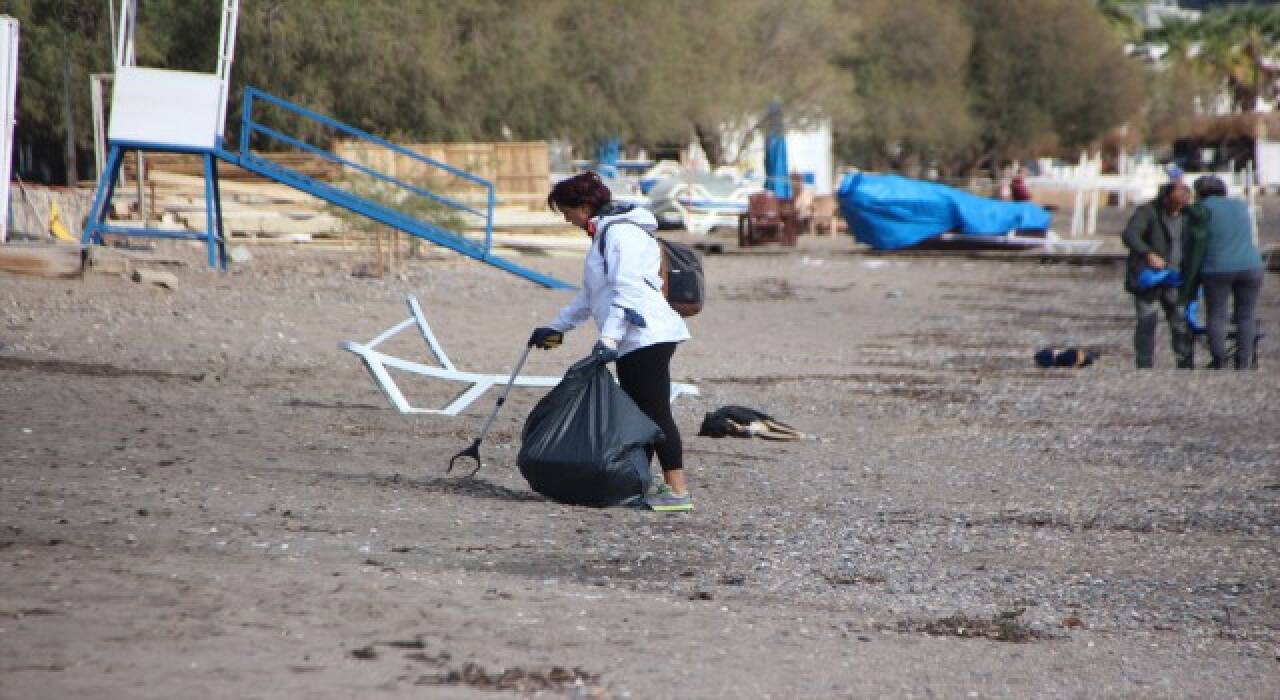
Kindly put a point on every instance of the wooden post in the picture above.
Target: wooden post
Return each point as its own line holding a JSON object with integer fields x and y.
{"x": 59, "y": 261}
{"x": 72, "y": 170}
{"x": 141, "y": 176}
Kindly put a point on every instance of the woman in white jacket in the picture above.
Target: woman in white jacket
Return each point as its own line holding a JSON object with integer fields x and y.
{"x": 622, "y": 292}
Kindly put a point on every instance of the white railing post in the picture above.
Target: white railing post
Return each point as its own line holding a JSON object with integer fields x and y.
{"x": 9, "y": 32}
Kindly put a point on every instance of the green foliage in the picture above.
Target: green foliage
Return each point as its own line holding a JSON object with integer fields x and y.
{"x": 60, "y": 40}
{"x": 1176, "y": 91}
{"x": 916, "y": 104}
{"x": 1119, "y": 15}
{"x": 901, "y": 80}
{"x": 397, "y": 199}
{"x": 973, "y": 82}
{"x": 1233, "y": 45}
{"x": 1047, "y": 72}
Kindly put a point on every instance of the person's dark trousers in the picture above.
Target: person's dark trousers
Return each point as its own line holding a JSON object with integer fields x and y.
{"x": 1244, "y": 287}
{"x": 1147, "y": 310}
{"x": 645, "y": 375}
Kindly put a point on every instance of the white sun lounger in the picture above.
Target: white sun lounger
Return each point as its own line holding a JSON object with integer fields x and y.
{"x": 378, "y": 362}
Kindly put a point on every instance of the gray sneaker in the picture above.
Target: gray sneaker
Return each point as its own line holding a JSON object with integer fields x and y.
{"x": 664, "y": 500}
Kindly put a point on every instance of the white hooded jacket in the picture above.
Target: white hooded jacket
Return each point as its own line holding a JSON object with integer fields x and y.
{"x": 622, "y": 288}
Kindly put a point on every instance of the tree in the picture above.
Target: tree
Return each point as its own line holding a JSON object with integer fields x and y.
{"x": 1046, "y": 73}
{"x": 915, "y": 104}
{"x": 1120, "y": 17}
{"x": 1178, "y": 92}
{"x": 1237, "y": 46}
{"x": 902, "y": 81}
{"x": 775, "y": 50}
{"x": 62, "y": 42}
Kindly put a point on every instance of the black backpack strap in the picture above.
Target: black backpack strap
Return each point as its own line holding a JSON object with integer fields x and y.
{"x": 600, "y": 240}
{"x": 600, "y": 244}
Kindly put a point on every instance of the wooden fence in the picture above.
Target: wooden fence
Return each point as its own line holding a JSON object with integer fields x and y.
{"x": 515, "y": 168}
{"x": 520, "y": 170}
{"x": 31, "y": 207}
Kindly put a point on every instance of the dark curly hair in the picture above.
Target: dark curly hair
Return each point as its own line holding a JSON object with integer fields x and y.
{"x": 1167, "y": 189}
{"x": 1210, "y": 186}
{"x": 583, "y": 188}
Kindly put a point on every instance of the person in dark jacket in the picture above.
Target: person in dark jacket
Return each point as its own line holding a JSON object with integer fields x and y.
{"x": 1156, "y": 239}
{"x": 1231, "y": 269}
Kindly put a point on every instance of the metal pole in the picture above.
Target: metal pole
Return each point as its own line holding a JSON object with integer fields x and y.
{"x": 141, "y": 176}
{"x": 226, "y": 53}
{"x": 124, "y": 40}
{"x": 488, "y": 224}
{"x": 99, "y": 129}
{"x": 70, "y": 121}
{"x": 111, "y": 21}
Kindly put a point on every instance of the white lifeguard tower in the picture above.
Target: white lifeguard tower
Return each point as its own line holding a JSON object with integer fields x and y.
{"x": 159, "y": 110}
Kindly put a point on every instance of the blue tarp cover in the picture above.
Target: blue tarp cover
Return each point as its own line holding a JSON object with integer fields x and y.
{"x": 607, "y": 152}
{"x": 889, "y": 211}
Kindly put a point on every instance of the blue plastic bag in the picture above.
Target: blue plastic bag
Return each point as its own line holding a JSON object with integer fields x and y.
{"x": 1150, "y": 278}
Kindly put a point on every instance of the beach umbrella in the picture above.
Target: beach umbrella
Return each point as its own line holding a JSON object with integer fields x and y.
{"x": 776, "y": 173}
{"x": 607, "y": 158}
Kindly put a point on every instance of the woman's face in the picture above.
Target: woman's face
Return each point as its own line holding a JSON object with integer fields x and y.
{"x": 578, "y": 216}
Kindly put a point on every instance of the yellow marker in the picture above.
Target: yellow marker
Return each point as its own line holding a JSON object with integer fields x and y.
{"x": 56, "y": 225}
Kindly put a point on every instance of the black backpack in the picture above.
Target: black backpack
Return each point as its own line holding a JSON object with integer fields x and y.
{"x": 683, "y": 282}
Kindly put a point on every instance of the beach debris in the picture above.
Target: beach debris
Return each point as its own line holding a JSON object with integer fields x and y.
{"x": 42, "y": 260}
{"x": 519, "y": 680}
{"x": 1068, "y": 357}
{"x": 159, "y": 278}
{"x": 239, "y": 255}
{"x": 740, "y": 421}
{"x": 107, "y": 261}
{"x": 377, "y": 363}
{"x": 1073, "y": 622}
{"x": 1003, "y": 627}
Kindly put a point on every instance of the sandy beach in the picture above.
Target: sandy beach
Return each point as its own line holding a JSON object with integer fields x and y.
{"x": 202, "y": 496}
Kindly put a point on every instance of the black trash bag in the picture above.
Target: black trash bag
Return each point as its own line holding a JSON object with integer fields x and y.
{"x": 586, "y": 441}
{"x": 1070, "y": 357}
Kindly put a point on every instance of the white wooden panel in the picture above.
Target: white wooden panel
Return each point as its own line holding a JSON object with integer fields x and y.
{"x": 8, "y": 95}
{"x": 1268, "y": 161}
{"x": 165, "y": 107}
{"x": 809, "y": 150}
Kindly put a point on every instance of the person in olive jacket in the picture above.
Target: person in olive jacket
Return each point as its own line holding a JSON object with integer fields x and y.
{"x": 1156, "y": 238}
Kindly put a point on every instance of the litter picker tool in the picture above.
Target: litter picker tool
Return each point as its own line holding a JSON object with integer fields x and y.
{"x": 473, "y": 451}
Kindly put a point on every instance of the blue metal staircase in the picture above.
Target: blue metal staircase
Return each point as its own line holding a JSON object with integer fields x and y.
{"x": 380, "y": 212}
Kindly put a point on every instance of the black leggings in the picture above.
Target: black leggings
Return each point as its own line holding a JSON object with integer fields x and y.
{"x": 645, "y": 375}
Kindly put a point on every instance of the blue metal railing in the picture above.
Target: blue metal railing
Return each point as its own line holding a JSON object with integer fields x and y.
{"x": 249, "y": 128}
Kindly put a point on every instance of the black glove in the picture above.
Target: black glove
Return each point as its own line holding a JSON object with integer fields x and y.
{"x": 603, "y": 353}
{"x": 546, "y": 338}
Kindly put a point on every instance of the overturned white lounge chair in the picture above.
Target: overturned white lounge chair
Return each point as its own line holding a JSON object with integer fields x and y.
{"x": 378, "y": 362}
